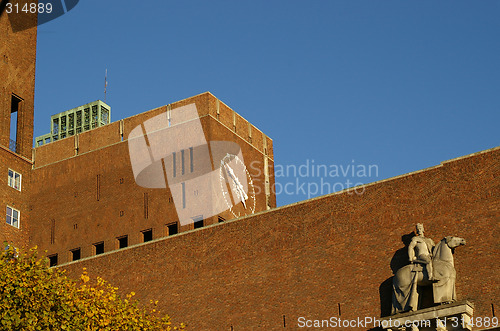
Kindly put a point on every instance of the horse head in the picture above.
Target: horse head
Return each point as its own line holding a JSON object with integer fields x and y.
{"x": 444, "y": 249}
{"x": 454, "y": 242}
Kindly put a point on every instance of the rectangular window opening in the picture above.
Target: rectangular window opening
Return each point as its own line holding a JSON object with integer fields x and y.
{"x": 14, "y": 180}
{"x": 172, "y": 229}
{"x": 147, "y": 235}
{"x": 183, "y": 185}
{"x": 99, "y": 248}
{"x": 122, "y": 242}
{"x": 182, "y": 162}
{"x": 173, "y": 163}
{"x": 12, "y": 217}
{"x": 198, "y": 222}
{"x": 76, "y": 254}
{"x": 191, "y": 160}
{"x": 52, "y": 260}
{"x": 15, "y": 107}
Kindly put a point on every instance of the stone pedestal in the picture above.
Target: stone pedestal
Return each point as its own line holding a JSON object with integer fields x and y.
{"x": 454, "y": 316}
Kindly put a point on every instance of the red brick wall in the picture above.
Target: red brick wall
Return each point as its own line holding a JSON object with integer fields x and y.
{"x": 14, "y": 198}
{"x": 17, "y": 72}
{"x": 308, "y": 258}
{"x": 72, "y": 212}
{"x": 17, "y": 76}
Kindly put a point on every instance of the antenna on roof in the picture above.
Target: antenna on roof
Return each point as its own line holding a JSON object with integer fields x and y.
{"x": 105, "y": 84}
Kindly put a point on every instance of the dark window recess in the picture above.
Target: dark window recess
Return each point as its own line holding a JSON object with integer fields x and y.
{"x": 172, "y": 229}
{"x": 15, "y": 106}
{"x": 52, "y": 260}
{"x": 76, "y": 254}
{"x": 52, "y": 233}
{"x": 99, "y": 248}
{"x": 147, "y": 235}
{"x": 122, "y": 242}
{"x": 98, "y": 188}
{"x": 221, "y": 219}
{"x": 146, "y": 206}
{"x": 122, "y": 213}
{"x": 198, "y": 224}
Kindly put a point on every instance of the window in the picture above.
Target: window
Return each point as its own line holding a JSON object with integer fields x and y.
{"x": 182, "y": 162}
{"x": 52, "y": 260}
{"x": 198, "y": 222}
{"x": 76, "y": 254}
{"x": 172, "y": 229}
{"x": 173, "y": 160}
{"x": 13, "y": 217}
{"x": 147, "y": 235}
{"x": 191, "y": 161}
{"x": 122, "y": 242}
{"x": 183, "y": 186}
{"x": 221, "y": 219}
{"x": 15, "y": 108}
{"x": 55, "y": 126}
{"x": 95, "y": 116}
{"x": 99, "y": 248}
{"x": 14, "y": 180}
{"x": 104, "y": 115}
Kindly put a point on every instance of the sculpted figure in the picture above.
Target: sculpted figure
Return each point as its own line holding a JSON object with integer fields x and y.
{"x": 430, "y": 266}
{"x": 420, "y": 250}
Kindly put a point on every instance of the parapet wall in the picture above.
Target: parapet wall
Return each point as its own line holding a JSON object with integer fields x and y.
{"x": 332, "y": 256}
{"x": 206, "y": 104}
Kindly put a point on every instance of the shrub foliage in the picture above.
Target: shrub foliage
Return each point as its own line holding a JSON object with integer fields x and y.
{"x": 35, "y": 297}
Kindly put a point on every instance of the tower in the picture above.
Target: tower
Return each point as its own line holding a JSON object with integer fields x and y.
{"x": 17, "y": 84}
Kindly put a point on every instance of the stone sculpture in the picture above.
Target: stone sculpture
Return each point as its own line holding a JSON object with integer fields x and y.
{"x": 430, "y": 266}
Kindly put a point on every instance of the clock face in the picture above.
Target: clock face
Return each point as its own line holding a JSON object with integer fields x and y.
{"x": 237, "y": 186}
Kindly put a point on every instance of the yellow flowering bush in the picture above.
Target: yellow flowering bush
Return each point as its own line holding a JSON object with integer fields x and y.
{"x": 35, "y": 297}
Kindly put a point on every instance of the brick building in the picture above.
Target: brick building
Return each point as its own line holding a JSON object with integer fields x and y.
{"x": 332, "y": 256}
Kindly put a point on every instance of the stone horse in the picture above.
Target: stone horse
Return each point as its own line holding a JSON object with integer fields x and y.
{"x": 407, "y": 278}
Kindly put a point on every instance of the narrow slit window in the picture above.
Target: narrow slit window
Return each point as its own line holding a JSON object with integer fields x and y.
{"x": 15, "y": 107}
{"x": 191, "y": 160}
{"x": 182, "y": 162}
{"x": 183, "y": 185}
{"x": 173, "y": 163}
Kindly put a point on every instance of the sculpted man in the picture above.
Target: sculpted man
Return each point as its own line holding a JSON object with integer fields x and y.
{"x": 420, "y": 250}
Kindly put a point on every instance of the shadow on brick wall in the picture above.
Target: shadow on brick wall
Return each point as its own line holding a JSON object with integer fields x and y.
{"x": 399, "y": 260}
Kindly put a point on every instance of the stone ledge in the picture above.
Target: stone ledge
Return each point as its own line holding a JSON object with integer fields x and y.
{"x": 463, "y": 310}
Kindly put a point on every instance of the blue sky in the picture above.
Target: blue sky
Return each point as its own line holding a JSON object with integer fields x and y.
{"x": 402, "y": 85}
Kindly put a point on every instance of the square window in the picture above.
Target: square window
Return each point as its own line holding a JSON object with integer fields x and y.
{"x": 147, "y": 235}
{"x": 12, "y": 217}
{"x": 172, "y": 229}
{"x": 122, "y": 242}
{"x": 14, "y": 180}
{"x": 52, "y": 260}
{"x": 76, "y": 254}
{"x": 99, "y": 248}
{"x": 198, "y": 224}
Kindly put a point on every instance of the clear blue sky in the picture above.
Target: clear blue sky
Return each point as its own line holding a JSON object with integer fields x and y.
{"x": 402, "y": 85}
